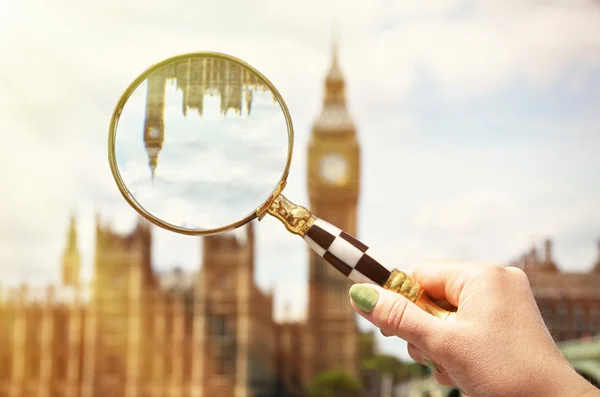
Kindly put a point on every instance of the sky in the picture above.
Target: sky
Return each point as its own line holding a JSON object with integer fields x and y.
{"x": 478, "y": 123}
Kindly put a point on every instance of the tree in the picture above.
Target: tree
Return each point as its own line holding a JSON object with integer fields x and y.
{"x": 366, "y": 345}
{"x": 335, "y": 383}
{"x": 391, "y": 365}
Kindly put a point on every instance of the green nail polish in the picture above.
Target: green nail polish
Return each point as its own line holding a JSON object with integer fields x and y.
{"x": 430, "y": 365}
{"x": 364, "y": 297}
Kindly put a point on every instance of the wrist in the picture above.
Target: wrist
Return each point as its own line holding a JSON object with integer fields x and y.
{"x": 566, "y": 382}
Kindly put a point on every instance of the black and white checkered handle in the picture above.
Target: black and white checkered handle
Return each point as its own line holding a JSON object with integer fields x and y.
{"x": 356, "y": 261}
{"x": 344, "y": 252}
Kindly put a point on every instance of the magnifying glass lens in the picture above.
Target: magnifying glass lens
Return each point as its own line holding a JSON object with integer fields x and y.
{"x": 201, "y": 143}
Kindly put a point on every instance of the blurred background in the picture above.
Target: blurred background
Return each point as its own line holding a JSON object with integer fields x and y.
{"x": 479, "y": 139}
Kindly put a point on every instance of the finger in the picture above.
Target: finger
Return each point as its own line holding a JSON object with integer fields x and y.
{"x": 414, "y": 353}
{"x": 445, "y": 279}
{"x": 435, "y": 367}
{"x": 444, "y": 304}
{"x": 444, "y": 379}
{"x": 395, "y": 315}
{"x": 422, "y": 359}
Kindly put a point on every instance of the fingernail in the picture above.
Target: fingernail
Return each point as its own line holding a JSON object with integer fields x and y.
{"x": 431, "y": 365}
{"x": 364, "y": 297}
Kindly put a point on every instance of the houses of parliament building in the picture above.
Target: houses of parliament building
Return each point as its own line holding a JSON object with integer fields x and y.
{"x": 135, "y": 333}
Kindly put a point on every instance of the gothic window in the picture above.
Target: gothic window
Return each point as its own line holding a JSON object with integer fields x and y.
{"x": 594, "y": 315}
{"x": 112, "y": 364}
{"x": 333, "y": 307}
{"x": 561, "y": 315}
{"x": 118, "y": 281}
{"x": 287, "y": 342}
{"x": 5, "y": 368}
{"x": 333, "y": 347}
{"x": 225, "y": 282}
{"x": 60, "y": 367}
{"x": 546, "y": 312}
{"x": 218, "y": 326}
{"x": 224, "y": 340}
{"x": 578, "y": 317}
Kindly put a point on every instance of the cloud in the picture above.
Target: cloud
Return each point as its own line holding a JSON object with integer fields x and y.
{"x": 489, "y": 45}
{"x": 213, "y": 170}
{"x": 464, "y": 205}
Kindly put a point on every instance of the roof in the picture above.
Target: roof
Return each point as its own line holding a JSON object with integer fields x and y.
{"x": 554, "y": 285}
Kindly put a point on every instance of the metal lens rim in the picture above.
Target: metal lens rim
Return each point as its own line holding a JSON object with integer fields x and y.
{"x": 113, "y": 131}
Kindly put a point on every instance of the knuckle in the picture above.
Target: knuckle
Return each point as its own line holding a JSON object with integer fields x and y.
{"x": 393, "y": 319}
{"x": 518, "y": 273}
{"x": 494, "y": 273}
{"x": 519, "y": 278}
{"x": 495, "y": 269}
{"x": 513, "y": 278}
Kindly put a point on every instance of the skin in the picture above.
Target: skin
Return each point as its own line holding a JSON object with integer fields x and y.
{"x": 495, "y": 346}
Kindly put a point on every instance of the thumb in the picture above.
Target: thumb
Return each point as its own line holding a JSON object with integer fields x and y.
{"x": 395, "y": 315}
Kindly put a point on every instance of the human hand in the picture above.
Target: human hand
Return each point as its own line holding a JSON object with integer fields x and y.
{"x": 496, "y": 345}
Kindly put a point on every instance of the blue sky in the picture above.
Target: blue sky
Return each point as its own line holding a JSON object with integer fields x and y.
{"x": 478, "y": 123}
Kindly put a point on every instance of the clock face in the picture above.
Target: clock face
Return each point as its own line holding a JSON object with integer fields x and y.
{"x": 333, "y": 169}
{"x": 154, "y": 133}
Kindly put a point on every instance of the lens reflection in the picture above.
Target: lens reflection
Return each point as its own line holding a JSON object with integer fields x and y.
{"x": 201, "y": 143}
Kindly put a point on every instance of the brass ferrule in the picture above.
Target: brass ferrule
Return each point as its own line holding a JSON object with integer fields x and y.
{"x": 296, "y": 219}
{"x": 402, "y": 284}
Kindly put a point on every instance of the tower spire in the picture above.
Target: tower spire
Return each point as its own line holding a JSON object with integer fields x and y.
{"x": 71, "y": 259}
{"x": 72, "y": 233}
{"x": 597, "y": 267}
{"x": 334, "y": 46}
{"x": 334, "y": 82}
{"x": 334, "y": 118}
{"x": 154, "y": 126}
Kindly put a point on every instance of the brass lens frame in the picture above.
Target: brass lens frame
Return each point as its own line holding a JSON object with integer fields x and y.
{"x": 256, "y": 213}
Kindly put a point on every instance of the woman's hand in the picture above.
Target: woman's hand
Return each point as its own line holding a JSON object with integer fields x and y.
{"x": 495, "y": 345}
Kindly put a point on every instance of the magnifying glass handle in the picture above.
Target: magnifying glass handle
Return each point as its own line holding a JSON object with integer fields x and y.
{"x": 348, "y": 255}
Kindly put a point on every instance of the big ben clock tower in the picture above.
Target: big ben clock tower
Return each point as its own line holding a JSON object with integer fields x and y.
{"x": 333, "y": 187}
{"x": 154, "y": 127}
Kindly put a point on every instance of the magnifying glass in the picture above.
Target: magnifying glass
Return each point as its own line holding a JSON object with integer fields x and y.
{"x": 201, "y": 144}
